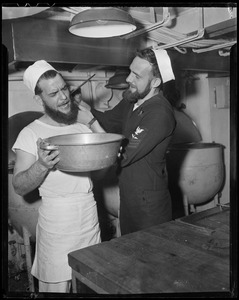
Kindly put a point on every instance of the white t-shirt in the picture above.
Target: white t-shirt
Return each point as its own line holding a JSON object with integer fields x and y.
{"x": 57, "y": 183}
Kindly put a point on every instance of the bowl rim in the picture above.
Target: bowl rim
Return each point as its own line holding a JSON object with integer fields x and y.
{"x": 118, "y": 137}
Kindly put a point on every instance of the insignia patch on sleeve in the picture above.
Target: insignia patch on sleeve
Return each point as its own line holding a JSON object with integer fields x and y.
{"x": 137, "y": 132}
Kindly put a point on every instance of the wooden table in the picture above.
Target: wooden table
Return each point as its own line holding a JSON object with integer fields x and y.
{"x": 190, "y": 254}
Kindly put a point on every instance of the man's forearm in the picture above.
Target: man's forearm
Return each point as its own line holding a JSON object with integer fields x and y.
{"x": 28, "y": 180}
{"x": 108, "y": 121}
{"x": 95, "y": 127}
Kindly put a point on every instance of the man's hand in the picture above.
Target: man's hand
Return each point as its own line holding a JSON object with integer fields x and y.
{"x": 47, "y": 158}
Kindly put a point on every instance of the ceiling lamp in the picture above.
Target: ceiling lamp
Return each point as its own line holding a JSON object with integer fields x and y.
{"x": 102, "y": 22}
{"x": 20, "y": 12}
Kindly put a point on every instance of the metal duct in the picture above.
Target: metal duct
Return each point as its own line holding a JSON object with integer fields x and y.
{"x": 32, "y": 39}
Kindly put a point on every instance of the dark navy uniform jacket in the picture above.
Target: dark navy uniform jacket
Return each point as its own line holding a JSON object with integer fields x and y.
{"x": 144, "y": 197}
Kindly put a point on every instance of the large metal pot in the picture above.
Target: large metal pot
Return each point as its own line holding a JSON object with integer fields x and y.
{"x": 198, "y": 169}
{"x": 84, "y": 152}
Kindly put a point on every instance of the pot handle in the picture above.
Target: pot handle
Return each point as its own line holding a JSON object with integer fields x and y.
{"x": 47, "y": 146}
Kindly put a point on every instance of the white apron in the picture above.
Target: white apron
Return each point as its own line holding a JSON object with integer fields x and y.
{"x": 64, "y": 225}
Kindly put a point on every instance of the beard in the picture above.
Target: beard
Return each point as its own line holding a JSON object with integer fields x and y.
{"x": 133, "y": 97}
{"x": 63, "y": 118}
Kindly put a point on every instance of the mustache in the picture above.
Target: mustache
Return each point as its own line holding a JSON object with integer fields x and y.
{"x": 60, "y": 117}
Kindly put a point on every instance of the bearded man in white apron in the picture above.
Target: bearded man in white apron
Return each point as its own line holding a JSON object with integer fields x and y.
{"x": 68, "y": 218}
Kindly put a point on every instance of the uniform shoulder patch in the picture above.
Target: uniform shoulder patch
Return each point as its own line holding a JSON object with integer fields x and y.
{"x": 137, "y": 132}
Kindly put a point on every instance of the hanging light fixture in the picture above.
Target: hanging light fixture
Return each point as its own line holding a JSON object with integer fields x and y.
{"x": 102, "y": 22}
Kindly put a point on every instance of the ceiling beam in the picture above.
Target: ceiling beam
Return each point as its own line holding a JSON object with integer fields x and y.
{"x": 203, "y": 62}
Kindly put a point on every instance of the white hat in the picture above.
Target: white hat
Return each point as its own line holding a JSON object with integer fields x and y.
{"x": 164, "y": 64}
{"x": 34, "y": 72}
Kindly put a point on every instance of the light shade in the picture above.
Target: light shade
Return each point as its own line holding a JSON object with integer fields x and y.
{"x": 102, "y": 22}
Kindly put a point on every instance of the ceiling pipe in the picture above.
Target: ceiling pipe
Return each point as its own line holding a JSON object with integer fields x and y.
{"x": 181, "y": 50}
{"x": 222, "y": 53}
{"x": 166, "y": 18}
{"x": 75, "y": 10}
{"x": 152, "y": 15}
{"x": 78, "y": 9}
{"x": 70, "y": 10}
{"x": 216, "y": 47}
{"x": 198, "y": 35}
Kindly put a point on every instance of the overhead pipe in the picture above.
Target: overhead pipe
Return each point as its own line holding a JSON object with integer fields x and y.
{"x": 198, "y": 35}
{"x": 221, "y": 53}
{"x": 75, "y": 10}
{"x": 152, "y": 15}
{"x": 70, "y": 10}
{"x": 181, "y": 50}
{"x": 216, "y": 47}
{"x": 166, "y": 18}
{"x": 79, "y": 9}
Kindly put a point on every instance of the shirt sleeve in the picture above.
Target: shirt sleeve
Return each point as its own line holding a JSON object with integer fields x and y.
{"x": 154, "y": 127}
{"x": 26, "y": 141}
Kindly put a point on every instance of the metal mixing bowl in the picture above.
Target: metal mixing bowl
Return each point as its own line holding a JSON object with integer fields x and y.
{"x": 84, "y": 152}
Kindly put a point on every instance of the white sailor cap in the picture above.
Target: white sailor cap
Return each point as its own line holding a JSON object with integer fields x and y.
{"x": 34, "y": 72}
{"x": 164, "y": 64}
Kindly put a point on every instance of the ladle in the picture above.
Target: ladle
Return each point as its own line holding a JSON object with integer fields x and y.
{"x": 78, "y": 90}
